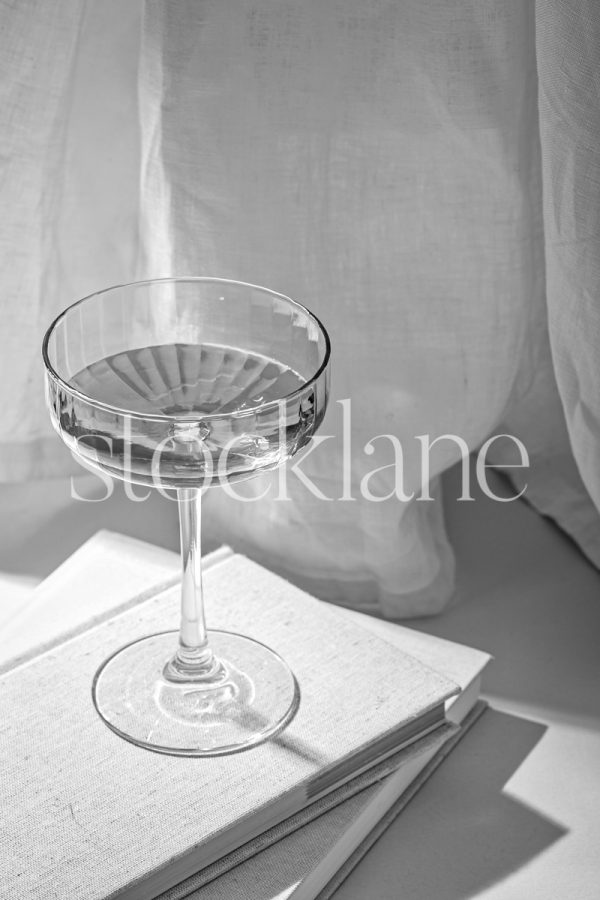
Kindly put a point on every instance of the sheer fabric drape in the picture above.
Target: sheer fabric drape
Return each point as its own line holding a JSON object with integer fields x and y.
{"x": 423, "y": 175}
{"x": 69, "y": 183}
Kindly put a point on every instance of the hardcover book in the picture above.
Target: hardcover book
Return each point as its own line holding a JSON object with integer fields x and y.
{"x": 87, "y": 814}
{"x": 311, "y": 862}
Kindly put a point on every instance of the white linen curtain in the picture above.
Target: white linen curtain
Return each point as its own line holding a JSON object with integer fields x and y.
{"x": 424, "y": 175}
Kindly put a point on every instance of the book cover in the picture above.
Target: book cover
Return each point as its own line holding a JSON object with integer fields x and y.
{"x": 312, "y": 861}
{"x": 94, "y": 815}
{"x": 299, "y": 864}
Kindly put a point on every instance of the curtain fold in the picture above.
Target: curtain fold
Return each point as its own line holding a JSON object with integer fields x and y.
{"x": 424, "y": 176}
{"x": 38, "y": 45}
{"x": 568, "y": 41}
{"x": 381, "y": 163}
{"x": 69, "y": 182}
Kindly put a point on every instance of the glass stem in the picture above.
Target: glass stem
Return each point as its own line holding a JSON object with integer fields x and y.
{"x": 194, "y": 660}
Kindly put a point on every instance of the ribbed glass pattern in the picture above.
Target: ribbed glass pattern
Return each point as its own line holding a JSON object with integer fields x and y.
{"x": 183, "y": 382}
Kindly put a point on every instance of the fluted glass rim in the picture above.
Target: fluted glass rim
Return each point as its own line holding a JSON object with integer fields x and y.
{"x": 161, "y": 417}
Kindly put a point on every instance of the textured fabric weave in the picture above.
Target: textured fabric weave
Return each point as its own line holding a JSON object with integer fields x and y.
{"x": 423, "y": 175}
{"x": 94, "y": 827}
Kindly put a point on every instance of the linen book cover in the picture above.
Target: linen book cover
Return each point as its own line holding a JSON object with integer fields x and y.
{"x": 86, "y": 813}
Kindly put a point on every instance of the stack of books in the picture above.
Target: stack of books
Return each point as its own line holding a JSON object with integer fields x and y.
{"x": 84, "y": 813}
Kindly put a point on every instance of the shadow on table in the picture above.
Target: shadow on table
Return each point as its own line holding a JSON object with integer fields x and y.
{"x": 461, "y": 833}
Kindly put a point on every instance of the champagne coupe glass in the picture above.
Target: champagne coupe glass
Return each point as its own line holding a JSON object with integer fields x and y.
{"x": 182, "y": 383}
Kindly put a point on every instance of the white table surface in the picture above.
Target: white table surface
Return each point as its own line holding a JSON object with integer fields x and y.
{"x": 514, "y": 813}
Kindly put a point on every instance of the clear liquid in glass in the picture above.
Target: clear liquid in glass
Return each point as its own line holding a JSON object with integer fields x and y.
{"x": 214, "y": 396}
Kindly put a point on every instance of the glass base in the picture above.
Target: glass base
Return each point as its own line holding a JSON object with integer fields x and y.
{"x": 255, "y": 696}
